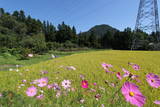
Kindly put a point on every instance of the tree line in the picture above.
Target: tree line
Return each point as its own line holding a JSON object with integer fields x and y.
{"x": 23, "y": 34}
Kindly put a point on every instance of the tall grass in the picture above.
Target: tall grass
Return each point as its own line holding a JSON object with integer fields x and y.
{"x": 89, "y": 65}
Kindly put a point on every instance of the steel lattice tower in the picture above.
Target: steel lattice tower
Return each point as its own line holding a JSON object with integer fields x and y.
{"x": 147, "y": 18}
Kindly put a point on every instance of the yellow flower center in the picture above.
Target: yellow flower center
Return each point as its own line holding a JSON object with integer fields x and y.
{"x": 84, "y": 83}
{"x": 43, "y": 82}
{"x": 131, "y": 94}
{"x": 32, "y": 91}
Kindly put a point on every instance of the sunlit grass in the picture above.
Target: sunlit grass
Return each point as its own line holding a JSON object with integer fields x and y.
{"x": 88, "y": 64}
{"x": 10, "y": 61}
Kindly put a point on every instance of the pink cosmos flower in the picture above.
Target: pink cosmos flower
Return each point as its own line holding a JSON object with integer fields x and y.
{"x": 82, "y": 101}
{"x": 136, "y": 67}
{"x": 92, "y": 90}
{"x": 34, "y": 82}
{"x": 82, "y": 76}
{"x": 73, "y": 89}
{"x": 44, "y": 72}
{"x": 102, "y": 105}
{"x": 31, "y": 91}
{"x": 43, "y": 82}
{"x": 132, "y": 94}
{"x": 71, "y": 68}
{"x": 102, "y": 88}
{"x": 108, "y": 71}
{"x": 137, "y": 80}
{"x": 66, "y": 84}
{"x": 56, "y": 87}
{"x": 50, "y": 86}
{"x": 130, "y": 63}
{"x": 1, "y": 95}
{"x": 94, "y": 84}
{"x": 153, "y": 80}
{"x": 97, "y": 96}
{"x": 24, "y": 81}
{"x": 119, "y": 75}
{"x": 134, "y": 76}
{"x": 112, "y": 85}
{"x": 84, "y": 84}
{"x": 126, "y": 72}
{"x": 106, "y": 66}
{"x": 40, "y": 97}
{"x": 157, "y": 102}
{"x": 58, "y": 94}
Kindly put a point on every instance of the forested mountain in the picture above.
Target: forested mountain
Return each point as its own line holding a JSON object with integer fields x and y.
{"x": 100, "y": 30}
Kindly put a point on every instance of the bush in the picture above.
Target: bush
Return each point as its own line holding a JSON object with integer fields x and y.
{"x": 35, "y": 43}
{"x": 151, "y": 46}
{"x": 3, "y": 50}
{"x": 143, "y": 45}
{"x": 4, "y": 30}
{"x": 23, "y": 55}
{"x": 69, "y": 44}
{"x": 53, "y": 45}
{"x": 156, "y": 46}
{"x": 14, "y": 51}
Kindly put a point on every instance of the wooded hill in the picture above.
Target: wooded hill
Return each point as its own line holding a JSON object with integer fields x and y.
{"x": 21, "y": 34}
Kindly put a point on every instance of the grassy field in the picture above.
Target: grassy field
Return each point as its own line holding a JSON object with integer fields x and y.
{"x": 8, "y": 61}
{"x": 88, "y": 66}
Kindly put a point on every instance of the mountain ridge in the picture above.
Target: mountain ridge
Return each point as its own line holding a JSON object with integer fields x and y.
{"x": 100, "y": 30}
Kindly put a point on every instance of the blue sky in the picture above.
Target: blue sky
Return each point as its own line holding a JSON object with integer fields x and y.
{"x": 83, "y": 14}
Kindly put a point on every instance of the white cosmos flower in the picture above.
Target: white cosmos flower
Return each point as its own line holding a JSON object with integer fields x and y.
{"x": 53, "y": 56}
{"x": 10, "y": 69}
{"x": 22, "y": 85}
{"x": 30, "y": 55}
{"x": 17, "y": 70}
{"x": 41, "y": 91}
{"x": 66, "y": 84}
{"x": 71, "y": 68}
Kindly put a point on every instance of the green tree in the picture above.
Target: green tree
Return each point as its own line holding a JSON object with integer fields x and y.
{"x": 33, "y": 26}
{"x": 1, "y": 11}
{"x": 64, "y": 33}
{"x": 22, "y": 16}
{"x": 16, "y": 14}
{"x": 107, "y": 40}
{"x": 49, "y": 31}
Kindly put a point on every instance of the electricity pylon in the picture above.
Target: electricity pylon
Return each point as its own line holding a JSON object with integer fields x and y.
{"x": 147, "y": 18}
